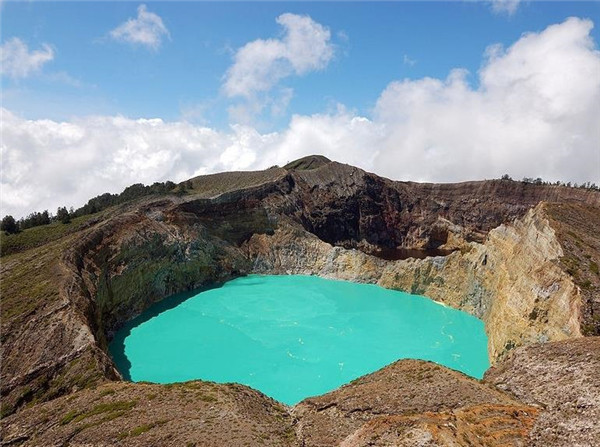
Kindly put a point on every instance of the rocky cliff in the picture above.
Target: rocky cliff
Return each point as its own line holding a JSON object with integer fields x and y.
{"x": 513, "y": 281}
{"x": 521, "y": 258}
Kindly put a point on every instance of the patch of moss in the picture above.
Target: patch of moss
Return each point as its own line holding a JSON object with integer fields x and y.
{"x": 115, "y": 409}
{"x": 141, "y": 429}
{"x": 69, "y": 417}
{"x": 206, "y": 397}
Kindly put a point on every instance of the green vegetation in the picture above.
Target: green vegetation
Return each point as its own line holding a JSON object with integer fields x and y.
{"x": 213, "y": 185}
{"x": 62, "y": 215}
{"x": 206, "y": 397}
{"x": 107, "y": 392}
{"x": 577, "y": 227}
{"x": 141, "y": 429}
{"x": 34, "y": 220}
{"x": 40, "y": 235}
{"x": 21, "y": 295}
{"x": 67, "y": 418}
{"x": 114, "y": 410}
{"x": 94, "y": 205}
{"x": 539, "y": 181}
{"x": 9, "y": 225}
{"x": 132, "y": 192}
{"x": 307, "y": 163}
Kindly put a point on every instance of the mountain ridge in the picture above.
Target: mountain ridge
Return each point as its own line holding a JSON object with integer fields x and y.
{"x": 328, "y": 220}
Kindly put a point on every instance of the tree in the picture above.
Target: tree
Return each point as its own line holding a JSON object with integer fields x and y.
{"x": 9, "y": 225}
{"x": 506, "y": 177}
{"x": 44, "y": 218}
{"x": 63, "y": 215}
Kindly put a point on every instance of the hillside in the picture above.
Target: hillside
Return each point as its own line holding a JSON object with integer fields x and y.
{"x": 523, "y": 257}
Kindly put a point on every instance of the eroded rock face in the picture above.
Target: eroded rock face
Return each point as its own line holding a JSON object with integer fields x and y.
{"x": 562, "y": 379}
{"x": 346, "y": 206}
{"x": 478, "y": 425}
{"x": 413, "y": 401}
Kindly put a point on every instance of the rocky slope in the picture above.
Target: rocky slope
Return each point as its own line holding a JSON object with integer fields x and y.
{"x": 408, "y": 403}
{"x": 525, "y": 268}
{"x": 125, "y": 414}
{"x": 562, "y": 380}
{"x": 413, "y": 402}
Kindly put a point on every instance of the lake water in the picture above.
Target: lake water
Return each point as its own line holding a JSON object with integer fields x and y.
{"x": 294, "y": 336}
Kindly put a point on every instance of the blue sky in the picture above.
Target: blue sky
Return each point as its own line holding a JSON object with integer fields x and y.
{"x": 101, "y": 95}
{"x": 94, "y": 74}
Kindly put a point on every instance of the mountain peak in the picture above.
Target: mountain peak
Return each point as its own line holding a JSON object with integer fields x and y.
{"x": 307, "y": 163}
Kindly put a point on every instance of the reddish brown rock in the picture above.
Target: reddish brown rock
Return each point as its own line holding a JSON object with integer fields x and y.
{"x": 562, "y": 380}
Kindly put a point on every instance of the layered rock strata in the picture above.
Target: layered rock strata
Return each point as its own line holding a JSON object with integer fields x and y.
{"x": 529, "y": 270}
{"x": 513, "y": 281}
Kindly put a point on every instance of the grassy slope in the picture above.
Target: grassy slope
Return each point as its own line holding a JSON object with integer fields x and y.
{"x": 212, "y": 185}
{"x": 30, "y": 288}
{"x": 38, "y": 236}
{"x": 31, "y": 274}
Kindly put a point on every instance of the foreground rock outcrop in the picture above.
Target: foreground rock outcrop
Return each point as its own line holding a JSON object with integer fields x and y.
{"x": 408, "y": 403}
{"x": 562, "y": 380}
{"x": 524, "y": 258}
{"x": 413, "y": 402}
{"x": 126, "y": 414}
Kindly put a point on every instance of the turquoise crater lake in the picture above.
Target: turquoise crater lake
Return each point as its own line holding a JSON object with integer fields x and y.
{"x": 292, "y": 337}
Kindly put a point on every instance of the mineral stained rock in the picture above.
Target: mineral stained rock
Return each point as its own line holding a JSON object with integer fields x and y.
{"x": 524, "y": 258}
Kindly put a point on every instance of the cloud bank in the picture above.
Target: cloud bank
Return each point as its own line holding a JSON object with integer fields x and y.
{"x": 146, "y": 29}
{"x": 16, "y": 61}
{"x": 532, "y": 110}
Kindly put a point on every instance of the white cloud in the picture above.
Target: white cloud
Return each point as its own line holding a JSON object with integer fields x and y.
{"x": 259, "y": 65}
{"x": 46, "y": 164}
{"x": 17, "y": 61}
{"x": 408, "y": 61}
{"x": 146, "y": 29}
{"x": 505, "y": 6}
{"x": 535, "y": 113}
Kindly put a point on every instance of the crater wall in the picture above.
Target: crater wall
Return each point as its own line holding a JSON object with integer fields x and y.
{"x": 513, "y": 281}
